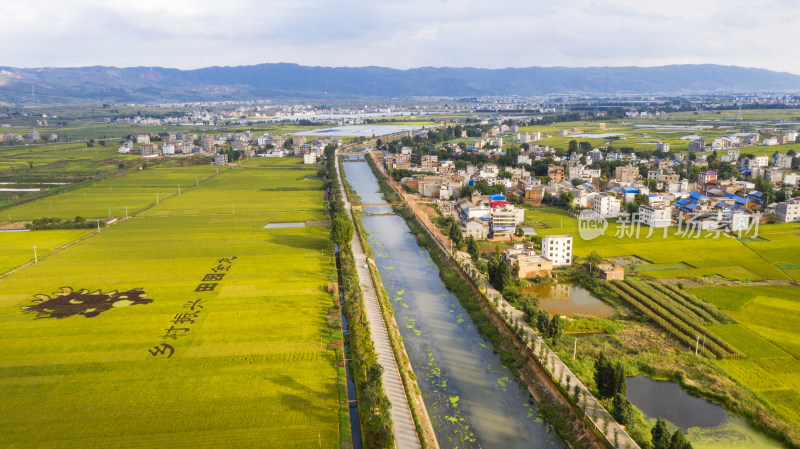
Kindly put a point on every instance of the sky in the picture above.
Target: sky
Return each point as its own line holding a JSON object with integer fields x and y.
{"x": 402, "y": 34}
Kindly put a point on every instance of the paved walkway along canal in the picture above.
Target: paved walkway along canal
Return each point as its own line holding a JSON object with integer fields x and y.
{"x": 405, "y": 434}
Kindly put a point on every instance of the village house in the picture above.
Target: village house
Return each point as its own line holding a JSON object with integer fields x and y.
{"x": 655, "y": 217}
{"x": 530, "y": 264}
{"x": 611, "y": 272}
{"x": 558, "y": 249}
{"x": 788, "y": 211}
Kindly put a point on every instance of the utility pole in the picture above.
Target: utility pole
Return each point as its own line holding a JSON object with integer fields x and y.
{"x": 126, "y": 211}
{"x": 575, "y": 348}
{"x": 697, "y": 345}
{"x": 35, "y": 258}
{"x": 156, "y": 199}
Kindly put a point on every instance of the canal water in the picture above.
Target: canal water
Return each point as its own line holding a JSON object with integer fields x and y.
{"x": 471, "y": 398}
{"x": 706, "y": 424}
{"x": 568, "y": 300}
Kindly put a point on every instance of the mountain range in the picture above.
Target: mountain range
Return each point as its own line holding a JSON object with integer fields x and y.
{"x": 282, "y": 80}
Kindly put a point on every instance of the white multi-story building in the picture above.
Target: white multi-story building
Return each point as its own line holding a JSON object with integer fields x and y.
{"x": 789, "y": 211}
{"x": 167, "y": 149}
{"x": 782, "y": 161}
{"x": 732, "y": 156}
{"x": 220, "y": 159}
{"x": 660, "y": 217}
{"x": 606, "y": 205}
{"x": 522, "y": 137}
{"x": 558, "y": 249}
{"x": 662, "y": 147}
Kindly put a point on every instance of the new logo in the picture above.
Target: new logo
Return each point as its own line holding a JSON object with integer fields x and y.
{"x": 591, "y": 224}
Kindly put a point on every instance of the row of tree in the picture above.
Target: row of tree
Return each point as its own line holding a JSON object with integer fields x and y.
{"x": 45, "y": 224}
{"x": 373, "y": 405}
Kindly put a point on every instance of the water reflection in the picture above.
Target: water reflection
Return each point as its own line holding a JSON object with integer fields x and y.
{"x": 569, "y": 300}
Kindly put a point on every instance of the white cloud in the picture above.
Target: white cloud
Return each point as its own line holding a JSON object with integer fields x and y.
{"x": 398, "y": 33}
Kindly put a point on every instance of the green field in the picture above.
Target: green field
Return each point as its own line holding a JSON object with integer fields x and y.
{"x": 63, "y": 157}
{"x": 282, "y": 192}
{"x": 16, "y": 248}
{"x": 768, "y": 334}
{"x": 676, "y": 255}
{"x": 111, "y": 198}
{"x": 252, "y": 370}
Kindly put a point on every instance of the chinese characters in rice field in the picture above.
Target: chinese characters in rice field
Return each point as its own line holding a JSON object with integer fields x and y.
{"x": 191, "y": 311}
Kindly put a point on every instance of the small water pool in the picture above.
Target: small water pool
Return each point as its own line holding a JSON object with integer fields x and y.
{"x": 569, "y": 300}
{"x": 297, "y": 224}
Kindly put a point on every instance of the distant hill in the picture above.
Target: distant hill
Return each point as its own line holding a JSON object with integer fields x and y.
{"x": 156, "y": 84}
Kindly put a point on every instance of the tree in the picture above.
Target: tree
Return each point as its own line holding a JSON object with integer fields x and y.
{"x": 530, "y": 307}
{"x": 566, "y": 198}
{"x": 660, "y": 437}
{"x": 609, "y": 378}
{"x": 556, "y": 329}
{"x": 577, "y": 181}
{"x": 594, "y": 259}
{"x": 499, "y": 273}
{"x": 623, "y": 410}
{"x": 341, "y": 230}
{"x": 573, "y": 146}
{"x": 679, "y": 441}
{"x": 472, "y": 248}
{"x": 543, "y": 323}
{"x": 455, "y": 235}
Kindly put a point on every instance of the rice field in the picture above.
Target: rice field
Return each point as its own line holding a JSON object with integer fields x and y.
{"x": 174, "y": 330}
{"x": 671, "y": 256}
{"x": 768, "y": 334}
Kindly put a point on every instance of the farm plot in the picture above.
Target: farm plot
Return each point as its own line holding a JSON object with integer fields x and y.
{"x": 672, "y": 256}
{"x": 281, "y": 192}
{"x": 243, "y": 309}
{"x": 173, "y": 331}
{"x": 768, "y": 334}
{"x": 683, "y": 315}
{"x": 16, "y": 248}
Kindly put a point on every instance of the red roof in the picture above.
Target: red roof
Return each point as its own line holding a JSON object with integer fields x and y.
{"x": 499, "y": 203}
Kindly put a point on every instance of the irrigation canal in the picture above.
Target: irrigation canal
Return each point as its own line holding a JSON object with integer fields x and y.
{"x": 471, "y": 398}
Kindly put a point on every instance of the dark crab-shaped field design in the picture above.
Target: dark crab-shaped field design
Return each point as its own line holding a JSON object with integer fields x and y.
{"x": 69, "y": 302}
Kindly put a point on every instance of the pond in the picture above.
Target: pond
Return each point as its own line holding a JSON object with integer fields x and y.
{"x": 569, "y": 300}
{"x": 706, "y": 424}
